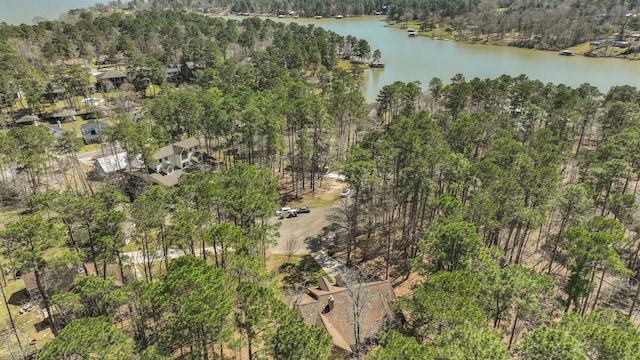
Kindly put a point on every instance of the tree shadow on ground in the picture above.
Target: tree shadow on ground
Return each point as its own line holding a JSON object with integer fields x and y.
{"x": 18, "y": 298}
{"x": 325, "y": 239}
{"x": 287, "y": 198}
{"x": 305, "y": 272}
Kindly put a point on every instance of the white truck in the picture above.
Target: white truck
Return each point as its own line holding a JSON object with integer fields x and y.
{"x": 286, "y": 212}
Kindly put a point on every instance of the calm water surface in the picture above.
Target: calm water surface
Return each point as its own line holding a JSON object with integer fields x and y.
{"x": 422, "y": 58}
{"x": 16, "y": 12}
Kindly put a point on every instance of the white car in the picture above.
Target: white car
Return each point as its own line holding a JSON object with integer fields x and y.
{"x": 345, "y": 193}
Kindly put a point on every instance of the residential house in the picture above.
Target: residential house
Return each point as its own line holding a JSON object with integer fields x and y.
{"x": 55, "y": 92}
{"x": 171, "y": 159}
{"x": 57, "y": 280}
{"x": 331, "y": 307}
{"x": 173, "y": 73}
{"x": 27, "y": 120}
{"x": 111, "y": 79}
{"x": 56, "y": 130}
{"x": 92, "y": 131}
{"x": 119, "y": 277}
{"x": 60, "y": 279}
{"x": 64, "y": 115}
{"x": 179, "y": 155}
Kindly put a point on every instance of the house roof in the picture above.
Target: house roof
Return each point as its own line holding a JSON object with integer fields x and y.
{"x": 175, "y": 148}
{"x": 60, "y": 279}
{"x": 187, "y": 143}
{"x": 113, "y": 272}
{"x": 111, "y": 74}
{"x": 64, "y": 113}
{"x": 163, "y": 152}
{"x": 87, "y": 127}
{"x": 111, "y": 163}
{"x": 55, "y": 130}
{"x": 27, "y": 119}
{"x": 374, "y": 305}
{"x": 166, "y": 180}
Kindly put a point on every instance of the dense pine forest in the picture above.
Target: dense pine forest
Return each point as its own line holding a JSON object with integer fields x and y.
{"x": 503, "y": 210}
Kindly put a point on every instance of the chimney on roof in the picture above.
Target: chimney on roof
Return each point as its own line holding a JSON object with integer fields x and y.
{"x": 330, "y": 304}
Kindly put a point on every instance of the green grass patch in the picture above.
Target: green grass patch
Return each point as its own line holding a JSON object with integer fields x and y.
{"x": 25, "y": 323}
{"x": 9, "y": 214}
{"x": 132, "y": 246}
{"x": 581, "y": 48}
{"x": 405, "y": 25}
{"x": 152, "y": 91}
{"x": 314, "y": 203}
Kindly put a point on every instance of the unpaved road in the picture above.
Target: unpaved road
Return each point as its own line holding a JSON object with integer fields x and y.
{"x": 304, "y": 233}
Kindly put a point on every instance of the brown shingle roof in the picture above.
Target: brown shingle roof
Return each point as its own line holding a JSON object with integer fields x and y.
{"x": 113, "y": 272}
{"x": 338, "y": 322}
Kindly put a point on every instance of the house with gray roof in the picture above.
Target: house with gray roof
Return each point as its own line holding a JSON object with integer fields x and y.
{"x": 92, "y": 131}
{"x": 64, "y": 115}
{"x": 169, "y": 161}
{"x": 27, "y": 120}
{"x": 55, "y": 130}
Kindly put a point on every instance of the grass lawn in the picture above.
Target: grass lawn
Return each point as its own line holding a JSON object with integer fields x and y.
{"x": 346, "y": 65}
{"x": 318, "y": 202}
{"x": 132, "y": 246}
{"x": 152, "y": 91}
{"x": 27, "y": 324}
{"x": 581, "y": 48}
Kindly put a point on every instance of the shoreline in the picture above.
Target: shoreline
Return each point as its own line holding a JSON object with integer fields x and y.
{"x": 584, "y": 49}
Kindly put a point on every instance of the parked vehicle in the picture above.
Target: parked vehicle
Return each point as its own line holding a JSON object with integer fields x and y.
{"x": 303, "y": 210}
{"x": 345, "y": 193}
{"x": 286, "y": 212}
{"x": 26, "y": 308}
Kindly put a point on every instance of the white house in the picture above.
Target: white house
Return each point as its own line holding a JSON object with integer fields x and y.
{"x": 178, "y": 155}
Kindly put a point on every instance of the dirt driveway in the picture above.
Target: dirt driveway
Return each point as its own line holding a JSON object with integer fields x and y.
{"x": 307, "y": 232}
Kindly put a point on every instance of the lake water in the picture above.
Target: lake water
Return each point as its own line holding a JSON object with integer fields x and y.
{"x": 415, "y": 58}
{"x": 16, "y": 12}
{"x": 422, "y": 58}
